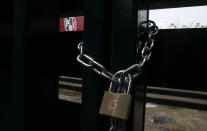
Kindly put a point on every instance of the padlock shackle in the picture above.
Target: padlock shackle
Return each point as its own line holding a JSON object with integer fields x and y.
{"x": 114, "y": 77}
{"x": 129, "y": 84}
{"x": 119, "y": 80}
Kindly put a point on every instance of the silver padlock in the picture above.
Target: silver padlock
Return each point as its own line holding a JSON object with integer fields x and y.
{"x": 115, "y": 104}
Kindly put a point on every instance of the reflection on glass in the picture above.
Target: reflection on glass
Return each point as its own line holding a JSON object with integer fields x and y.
{"x": 170, "y": 109}
{"x": 70, "y": 88}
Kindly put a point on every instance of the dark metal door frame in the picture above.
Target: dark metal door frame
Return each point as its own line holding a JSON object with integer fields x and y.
{"x": 110, "y": 37}
{"x": 96, "y": 44}
{"x": 126, "y": 14}
{"x": 34, "y": 65}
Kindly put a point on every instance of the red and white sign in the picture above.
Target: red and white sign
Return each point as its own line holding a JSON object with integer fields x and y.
{"x": 72, "y": 24}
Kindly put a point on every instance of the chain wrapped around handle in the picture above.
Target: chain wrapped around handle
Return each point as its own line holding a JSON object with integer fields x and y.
{"x": 143, "y": 46}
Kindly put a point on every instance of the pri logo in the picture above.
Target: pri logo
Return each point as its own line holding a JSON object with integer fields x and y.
{"x": 112, "y": 104}
{"x": 70, "y": 24}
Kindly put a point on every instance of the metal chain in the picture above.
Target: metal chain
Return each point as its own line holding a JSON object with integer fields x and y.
{"x": 88, "y": 62}
{"x": 144, "y": 46}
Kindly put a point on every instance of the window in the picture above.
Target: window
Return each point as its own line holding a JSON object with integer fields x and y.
{"x": 70, "y": 89}
{"x": 176, "y": 18}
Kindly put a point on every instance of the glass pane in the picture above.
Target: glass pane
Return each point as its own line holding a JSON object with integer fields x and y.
{"x": 70, "y": 88}
{"x": 170, "y": 109}
{"x": 176, "y": 18}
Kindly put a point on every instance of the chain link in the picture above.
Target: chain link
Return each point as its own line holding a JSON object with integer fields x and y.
{"x": 89, "y": 62}
{"x": 145, "y": 45}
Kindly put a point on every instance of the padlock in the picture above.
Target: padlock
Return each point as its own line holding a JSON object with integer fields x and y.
{"x": 115, "y": 104}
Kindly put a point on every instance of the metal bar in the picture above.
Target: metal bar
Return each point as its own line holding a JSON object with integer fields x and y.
{"x": 70, "y": 86}
{"x": 6, "y": 40}
{"x": 126, "y": 15}
{"x": 41, "y": 62}
{"x": 34, "y": 80}
{"x": 158, "y": 4}
{"x": 178, "y": 92}
{"x": 95, "y": 44}
{"x": 18, "y": 86}
{"x": 177, "y": 103}
{"x": 70, "y": 79}
{"x": 166, "y": 65}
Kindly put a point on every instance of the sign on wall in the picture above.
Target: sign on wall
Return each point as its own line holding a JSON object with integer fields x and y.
{"x": 72, "y": 24}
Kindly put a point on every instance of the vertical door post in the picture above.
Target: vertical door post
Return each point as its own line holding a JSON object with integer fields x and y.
{"x": 126, "y": 15}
